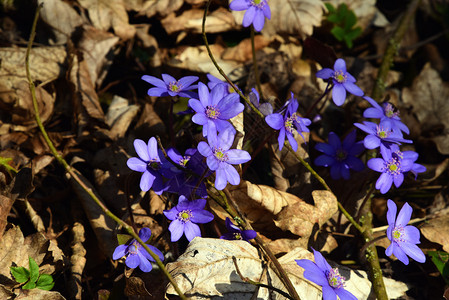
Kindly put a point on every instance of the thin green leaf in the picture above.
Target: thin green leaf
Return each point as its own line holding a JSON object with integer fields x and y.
{"x": 20, "y": 274}
{"x": 123, "y": 238}
{"x": 45, "y": 282}
{"x": 34, "y": 270}
{"x": 4, "y": 161}
{"x": 441, "y": 261}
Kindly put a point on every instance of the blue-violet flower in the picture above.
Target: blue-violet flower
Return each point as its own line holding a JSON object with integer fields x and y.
{"x": 392, "y": 168}
{"x": 169, "y": 86}
{"x": 288, "y": 123}
{"x": 380, "y": 134}
{"x": 235, "y": 233}
{"x": 215, "y": 108}
{"x": 387, "y": 114}
{"x": 220, "y": 157}
{"x": 150, "y": 164}
{"x": 137, "y": 256}
{"x": 256, "y": 12}
{"x": 213, "y": 81}
{"x": 321, "y": 273}
{"x": 265, "y": 108}
{"x": 340, "y": 157}
{"x": 342, "y": 80}
{"x": 403, "y": 237}
{"x": 184, "y": 217}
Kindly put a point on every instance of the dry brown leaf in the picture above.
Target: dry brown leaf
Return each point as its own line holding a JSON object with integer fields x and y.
{"x": 206, "y": 270}
{"x": 105, "y": 14}
{"x": 97, "y": 48}
{"x": 38, "y": 294}
{"x": 160, "y": 7}
{"x": 88, "y": 106}
{"x": 293, "y": 17}
{"x": 45, "y": 64}
{"x": 119, "y": 116}
{"x": 243, "y": 51}
{"x": 437, "y": 230}
{"x": 428, "y": 100}
{"x": 16, "y": 249}
{"x": 102, "y": 225}
{"x": 66, "y": 22}
{"x": 197, "y": 59}
{"x": 219, "y": 20}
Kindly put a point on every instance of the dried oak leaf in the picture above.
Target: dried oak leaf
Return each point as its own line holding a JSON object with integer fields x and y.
{"x": 38, "y": 294}
{"x": 105, "y": 14}
{"x": 291, "y": 17}
{"x": 206, "y": 270}
{"x": 427, "y": 98}
{"x": 15, "y": 249}
{"x": 119, "y": 116}
{"x": 160, "y": 7}
{"x": 66, "y": 22}
{"x": 437, "y": 230}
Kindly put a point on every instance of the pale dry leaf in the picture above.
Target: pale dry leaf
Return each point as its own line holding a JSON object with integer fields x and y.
{"x": 437, "y": 230}
{"x": 427, "y": 98}
{"x": 160, "y": 7}
{"x": 16, "y": 249}
{"x": 46, "y": 65}
{"x": 197, "y": 59}
{"x": 206, "y": 271}
{"x": 97, "y": 47}
{"x": 119, "y": 116}
{"x": 300, "y": 218}
{"x": 293, "y": 17}
{"x": 243, "y": 51}
{"x": 38, "y": 294}
{"x": 66, "y": 22}
{"x": 220, "y": 20}
{"x": 105, "y": 14}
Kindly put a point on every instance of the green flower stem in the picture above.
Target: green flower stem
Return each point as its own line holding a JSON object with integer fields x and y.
{"x": 374, "y": 270}
{"x": 220, "y": 70}
{"x": 74, "y": 173}
{"x": 256, "y": 67}
{"x": 392, "y": 48}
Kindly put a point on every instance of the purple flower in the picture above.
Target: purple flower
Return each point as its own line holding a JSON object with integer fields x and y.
{"x": 403, "y": 237}
{"x": 342, "y": 80}
{"x": 150, "y": 164}
{"x": 213, "y": 81}
{"x": 220, "y": 157}
{"x": 137, "y": 256}
{"x": 185, "y": 215}
{"x": 265, "y": 108}
{"x": 380, "y": 134}
{"x": 288, "y": 123}
{"x": 340, "y": 157}
{"x": 256, "y": 12}
{"x": 236, "y": 233}
{"x": 321, "y": 273}
{"x": 215, "y": 108}
{"x": 170, "y": 86}
{"x": 409, "y": 155}
{"x": 184, "y": 183}
{"x": 387, "y": 114}
{"x": 392, "y": 167}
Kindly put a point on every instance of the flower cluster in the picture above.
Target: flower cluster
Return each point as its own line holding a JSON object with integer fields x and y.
{"x": 288, "y": 123}
{"x": 256, "y": 12}
{"x": 235, "y": 233}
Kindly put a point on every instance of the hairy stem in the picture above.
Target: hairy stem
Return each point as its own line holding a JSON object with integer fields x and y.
{"x": 256, "y": 67}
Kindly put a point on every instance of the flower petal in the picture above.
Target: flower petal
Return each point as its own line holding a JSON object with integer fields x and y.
{"x": 275, "y": 121}
{"x": 144, "y": 264}
{"x": 325, "y": 148}
{"x": 146, "y": 181}
{"x": 376, "y": 164}
{"x": 236, "y": 156}
{"x": 141, "y": 149}
{"x": 154, "y": 81}
{"x": 325, "y": 160}
{"x": 340, "y": 65}
{"x": 239, "y": 5}
{"x": 201, "y": 216}
{"x": 232, "y": 176}
{"x": 119, "y": 252}
{"x": 325, "y": 73}
{"x": 145, "y": 234}
{"x": 413, "y": 251}
{"x": 186, "y": 82}
{"x": 391, "y": 213}
{"x": 136, "y": 164}
{"x": 259, "y": 20}
{"x": 338, "y": 94}
{"x": 404, "y": 215}
{"x": 312, "y": 272}
{"x": 176, "y": 229}
{"x": 353, "y": 89}
{"x": 204, "y": 149}
{"x": 220, "y": 179}
{"x": 248, "y": 18}
{"x": 344, "y": 294}
{"x": 132, "y": 261}
{"x": 192, "y": 230}
{"x": 384, "y": 183}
